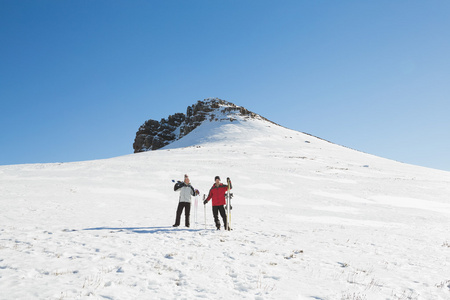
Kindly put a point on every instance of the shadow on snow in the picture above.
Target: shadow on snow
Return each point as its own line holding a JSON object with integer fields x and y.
{"x": 166, "y": 229}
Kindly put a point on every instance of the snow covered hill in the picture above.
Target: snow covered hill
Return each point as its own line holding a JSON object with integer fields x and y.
{"x": 311, "y": 220}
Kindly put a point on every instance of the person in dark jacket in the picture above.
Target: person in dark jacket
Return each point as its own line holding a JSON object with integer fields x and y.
{"x": 217, "y": 194}
{"x": 186, "y": 191}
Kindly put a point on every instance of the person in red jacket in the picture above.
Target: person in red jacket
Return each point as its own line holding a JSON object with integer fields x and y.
{"x": 217, "y": 194}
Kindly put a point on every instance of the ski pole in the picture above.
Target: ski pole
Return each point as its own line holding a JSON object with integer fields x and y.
{"x": 195, "y": 211}
{"x": 204, "y": 206}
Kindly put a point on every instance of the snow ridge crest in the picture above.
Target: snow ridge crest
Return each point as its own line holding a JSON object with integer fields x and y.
{"x": 153, "y": 135}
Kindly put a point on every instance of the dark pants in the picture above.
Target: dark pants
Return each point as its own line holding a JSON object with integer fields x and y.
{"x": 216, "y": 210}
{"x": 187, "y": 211}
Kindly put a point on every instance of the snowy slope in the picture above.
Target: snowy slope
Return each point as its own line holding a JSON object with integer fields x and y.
{"x": 312, "y": 220}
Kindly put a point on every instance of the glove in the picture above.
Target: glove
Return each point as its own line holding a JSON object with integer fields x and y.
{"x": 197, "y": 192}
{"x": 204, "y": 202}
{"x": 178, "y": 185}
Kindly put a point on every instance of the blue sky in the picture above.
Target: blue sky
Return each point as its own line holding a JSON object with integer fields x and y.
{"x": 78, "y": 78}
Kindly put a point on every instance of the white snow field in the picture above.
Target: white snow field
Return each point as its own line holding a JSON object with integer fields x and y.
{"x": 311, "y": 220}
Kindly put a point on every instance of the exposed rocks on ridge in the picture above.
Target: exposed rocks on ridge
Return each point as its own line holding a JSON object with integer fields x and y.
{"x": 153, "y": 135}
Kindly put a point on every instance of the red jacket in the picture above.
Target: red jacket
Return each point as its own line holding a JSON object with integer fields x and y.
{"x": 217, "y": 194}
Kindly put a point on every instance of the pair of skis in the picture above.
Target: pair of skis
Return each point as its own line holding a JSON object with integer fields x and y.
{"x": 229, "y": 195}
{"x": 196, "y": 210}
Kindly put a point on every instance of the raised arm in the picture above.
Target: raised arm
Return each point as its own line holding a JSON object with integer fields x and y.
{"x": 178, "y": 185}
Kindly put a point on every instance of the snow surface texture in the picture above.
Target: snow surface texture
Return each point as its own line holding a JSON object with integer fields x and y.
{"x": 311, "y": 220}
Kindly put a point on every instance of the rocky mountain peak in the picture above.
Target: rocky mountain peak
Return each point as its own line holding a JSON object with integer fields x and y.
{"x": 153, "y": 135}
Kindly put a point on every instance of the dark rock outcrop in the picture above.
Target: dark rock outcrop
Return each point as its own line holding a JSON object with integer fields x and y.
{"x": 153, "y": 135}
